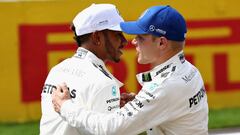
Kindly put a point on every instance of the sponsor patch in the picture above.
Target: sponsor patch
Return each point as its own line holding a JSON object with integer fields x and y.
{"x": 146, "y": 77}
{"x": 153, "y": 86}
{"x": 114, "y": 91}
{"x": 194, "y": 100}
{"x": 110, "y": 108}
{"x": 81, "y": 53}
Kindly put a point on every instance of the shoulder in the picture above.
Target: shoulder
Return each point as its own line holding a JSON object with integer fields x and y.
{"x": 184, "y": 73}
{"x": 186, "y": 80}
{"x": 76, "y": 68}
{"x": 82, "y": 69}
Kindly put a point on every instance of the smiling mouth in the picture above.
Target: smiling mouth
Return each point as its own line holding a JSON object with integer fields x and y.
{"x": 120, "y": 49}
{"x": 138, "y": 53}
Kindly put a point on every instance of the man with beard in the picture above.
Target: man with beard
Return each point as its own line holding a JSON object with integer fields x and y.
{"x": 90, "y": 84}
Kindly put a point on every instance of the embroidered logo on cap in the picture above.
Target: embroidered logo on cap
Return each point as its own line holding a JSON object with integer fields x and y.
{"x": 152, "y": 28}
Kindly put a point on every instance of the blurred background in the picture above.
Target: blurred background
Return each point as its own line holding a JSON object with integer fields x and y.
{"x": 35, "y": 35}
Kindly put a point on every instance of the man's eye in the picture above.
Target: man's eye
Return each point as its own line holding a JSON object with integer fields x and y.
{"x": 120, "y": 35}
{"x": 140, "y": 38}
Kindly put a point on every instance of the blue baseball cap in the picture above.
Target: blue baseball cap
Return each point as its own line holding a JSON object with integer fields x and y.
{"x": 158, "y": 21}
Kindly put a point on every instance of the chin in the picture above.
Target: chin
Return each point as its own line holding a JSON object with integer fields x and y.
{"x": 140, "y": 61}
{"x": 116, "y": 60}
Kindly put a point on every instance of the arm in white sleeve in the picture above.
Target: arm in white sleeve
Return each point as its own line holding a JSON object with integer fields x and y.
{"x": 107, "y": 99}
{"x": 148, "y": 109}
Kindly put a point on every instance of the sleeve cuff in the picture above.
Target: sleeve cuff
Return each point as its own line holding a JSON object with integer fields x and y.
{"x": 66, "y": 107}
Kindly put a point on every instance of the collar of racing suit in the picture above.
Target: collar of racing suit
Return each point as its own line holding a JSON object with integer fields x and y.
{"x": 83, "y": 53}
{"x": 163, "y": 70}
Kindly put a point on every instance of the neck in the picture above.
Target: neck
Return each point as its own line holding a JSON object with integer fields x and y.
{"x": 161, "y": 59}
{"x": 94, "y": 49}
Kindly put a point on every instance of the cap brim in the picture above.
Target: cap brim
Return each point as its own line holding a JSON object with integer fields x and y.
{"x": 115, "y": 28}
{"x": 131, "y": 28}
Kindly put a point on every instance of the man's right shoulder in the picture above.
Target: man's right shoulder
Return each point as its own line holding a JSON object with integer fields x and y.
{"x": 73, "y": 63}
{"x": 78, "y": 68}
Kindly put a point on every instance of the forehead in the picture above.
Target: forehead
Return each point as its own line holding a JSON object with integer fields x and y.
{"x": 113, "y": 32}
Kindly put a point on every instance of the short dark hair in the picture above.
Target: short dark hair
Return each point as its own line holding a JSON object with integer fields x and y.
{"x": 80, "y": 39}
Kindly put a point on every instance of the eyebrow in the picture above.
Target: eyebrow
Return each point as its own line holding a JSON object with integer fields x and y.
{"x": 139, "y": 36}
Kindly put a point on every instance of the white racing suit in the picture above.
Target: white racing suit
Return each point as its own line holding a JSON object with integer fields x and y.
{"x": 90, "y": 85}
{"x": 172, "y": 101}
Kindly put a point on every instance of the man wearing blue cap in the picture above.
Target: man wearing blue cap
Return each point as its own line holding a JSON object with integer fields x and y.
{"x": 172, "y": 100}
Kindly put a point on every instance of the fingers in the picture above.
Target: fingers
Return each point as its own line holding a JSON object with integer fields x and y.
{"x": 122, "y": 103}
{"x": 55, "y": 94}
{"x": 55, "y": 101}
{"x": 56, "y": 106}
{"x": 123, "y": 96}
{"x": 63, "y": 87}
{"x": 59, "y": 95}
{"x": 126, "y": 97}
{"x": 58, "y": 89}
{"x": 133, "y": 94}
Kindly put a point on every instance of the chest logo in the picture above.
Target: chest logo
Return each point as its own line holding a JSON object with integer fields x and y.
{"x": 153, "y": 86}
{"x": 114, "y": 91}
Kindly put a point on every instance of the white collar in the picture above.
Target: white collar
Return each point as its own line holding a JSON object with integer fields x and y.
{"x": 164, "y": 69}
{"x": 83, "y": 53}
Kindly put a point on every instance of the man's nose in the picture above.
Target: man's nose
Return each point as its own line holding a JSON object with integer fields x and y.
{"x": 124, "y": 41}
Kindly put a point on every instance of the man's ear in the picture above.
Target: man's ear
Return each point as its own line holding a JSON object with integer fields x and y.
{"x": 162, "y": 42}
{"x": 96, "y": 38}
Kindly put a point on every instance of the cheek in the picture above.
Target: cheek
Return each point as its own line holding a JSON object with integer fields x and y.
{"x": 149, "y": 53}
{"x": 115, "y": 45}
{"x": 145, "y": 49}
{"x": 141, "y": 47}
{"x": 113, "y": 49}
{"x": 115, "y": 41}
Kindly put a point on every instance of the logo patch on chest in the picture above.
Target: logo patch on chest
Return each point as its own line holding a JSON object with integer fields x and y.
{"x": 114, "y": 91}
